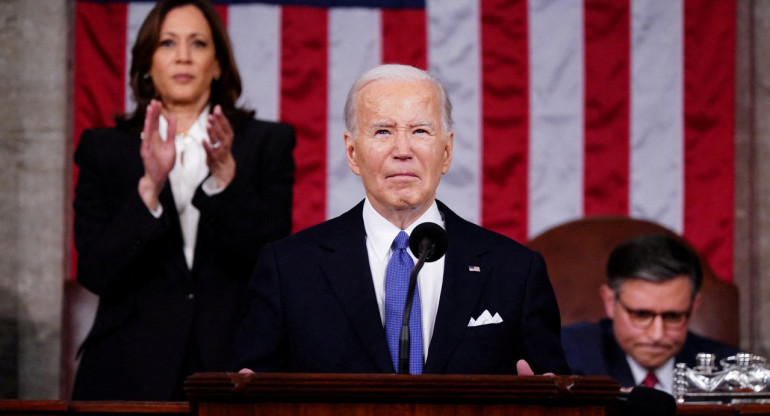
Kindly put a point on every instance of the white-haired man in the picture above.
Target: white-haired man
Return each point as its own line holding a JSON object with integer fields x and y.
{"x": 322, "y": 298}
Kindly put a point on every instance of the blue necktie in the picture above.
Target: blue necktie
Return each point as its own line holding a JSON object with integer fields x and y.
{"x": 396, "y": 287}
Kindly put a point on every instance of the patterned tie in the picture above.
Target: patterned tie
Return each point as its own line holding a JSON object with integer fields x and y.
{"x": 650, "y": 380}
{"x": 396, "y": 286}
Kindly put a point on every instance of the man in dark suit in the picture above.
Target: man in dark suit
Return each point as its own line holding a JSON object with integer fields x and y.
{"x": 321, "y": 298}
{"x": 651, "y": 291}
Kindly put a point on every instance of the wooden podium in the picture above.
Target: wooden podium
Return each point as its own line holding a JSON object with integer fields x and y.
{"x": 231, "y": 394}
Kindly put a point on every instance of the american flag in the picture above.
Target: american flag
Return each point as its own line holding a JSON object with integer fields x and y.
{"x": 563, "y": 108}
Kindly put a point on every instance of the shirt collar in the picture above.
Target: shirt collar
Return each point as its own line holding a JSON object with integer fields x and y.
{"x": 664, "y": 373}
{"x": 382, "y": 232}
{"x": 197, "y": 131}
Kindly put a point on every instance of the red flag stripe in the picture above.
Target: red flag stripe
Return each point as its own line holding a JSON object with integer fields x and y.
{"x": 607, "y": 77}
{"x": 505, "y": 107}
{"x": 709, "y": 91}
{"x": 404, "y": 46}
{"x": 304, "y": 78}
{"x": 99, "y": 74}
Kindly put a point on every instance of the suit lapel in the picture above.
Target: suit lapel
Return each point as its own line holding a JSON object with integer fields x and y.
{"x": 460, "y": 291}
{"x": 346, "y": 266}
{"x": 617, "y": 364}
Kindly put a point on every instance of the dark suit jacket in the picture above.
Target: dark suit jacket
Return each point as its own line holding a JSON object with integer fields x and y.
{"x": 591, "y": 349}
{"x": 314, "y": 308}
{"x": 150, "y": 303}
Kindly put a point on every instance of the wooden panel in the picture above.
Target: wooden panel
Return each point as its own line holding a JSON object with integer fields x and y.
{"x": 230, "y": 394}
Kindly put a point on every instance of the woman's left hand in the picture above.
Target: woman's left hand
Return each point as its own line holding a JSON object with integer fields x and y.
{"x": 218, "y": 155}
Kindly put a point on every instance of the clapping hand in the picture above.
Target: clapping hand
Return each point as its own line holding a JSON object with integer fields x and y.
{"x": 218, "y": 149}
{"x": 158, "y": 156}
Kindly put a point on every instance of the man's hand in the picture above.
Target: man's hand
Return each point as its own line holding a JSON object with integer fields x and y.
{"x": 523, "y": 369}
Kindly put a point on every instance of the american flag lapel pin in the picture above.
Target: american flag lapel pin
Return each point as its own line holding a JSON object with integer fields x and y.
{"x": 474, "y": 268}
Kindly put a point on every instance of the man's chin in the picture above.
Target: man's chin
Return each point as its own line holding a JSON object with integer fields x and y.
{"x": 652, "y": 361}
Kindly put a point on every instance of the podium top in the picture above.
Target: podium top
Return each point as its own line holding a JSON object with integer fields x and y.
{"x": 405, "y": 388}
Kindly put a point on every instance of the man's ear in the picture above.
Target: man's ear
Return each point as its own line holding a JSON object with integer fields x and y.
{"x": 608, "y": 299}
{"x": 696, "y": 303}
{"x": 448, "y": 152}
{"x": 350, "y": 153}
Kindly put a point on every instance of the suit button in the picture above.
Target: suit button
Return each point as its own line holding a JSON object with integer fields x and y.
{"x": 191, "y": 296}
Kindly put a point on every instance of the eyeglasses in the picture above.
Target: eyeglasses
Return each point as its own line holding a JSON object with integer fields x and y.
{"x": 642, "y": 318}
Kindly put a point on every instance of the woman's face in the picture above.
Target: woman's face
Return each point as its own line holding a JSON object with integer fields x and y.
{"x": 184, "y": 63}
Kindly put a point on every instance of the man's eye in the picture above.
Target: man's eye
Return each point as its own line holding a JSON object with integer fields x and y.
{"x": 380, "y": 132}
{"x": 644, "y": 314}
{"x": 673, "y": 316}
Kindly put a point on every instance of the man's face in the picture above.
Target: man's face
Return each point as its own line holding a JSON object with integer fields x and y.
{"x": 650, "y": 319}
{"x": 400, "y": 149}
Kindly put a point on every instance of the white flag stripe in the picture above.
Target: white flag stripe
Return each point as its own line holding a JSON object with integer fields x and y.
{"x": 657, "y": 135}
{"x": 352, "y": 32}
{"x": 137, "y": 12}
{"x": 556, "y": 79}
{"x": 255, "y": 32}
{"x": 454, "y": 57}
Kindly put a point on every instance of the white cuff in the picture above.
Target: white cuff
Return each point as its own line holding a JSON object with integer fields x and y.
{"x": 157, "y": 212}
{"x": 211, "y": 187}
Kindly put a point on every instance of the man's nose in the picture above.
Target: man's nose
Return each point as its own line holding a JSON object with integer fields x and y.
{"x": 402, "y": 144}
{"x": 656, "y": 328}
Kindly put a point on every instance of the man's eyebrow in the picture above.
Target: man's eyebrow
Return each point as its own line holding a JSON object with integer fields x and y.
{"x": 390, "y": 124}
{"x": 428, "y": 124}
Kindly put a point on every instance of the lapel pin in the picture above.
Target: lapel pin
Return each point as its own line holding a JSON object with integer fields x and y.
{"x": 474, "y": 268}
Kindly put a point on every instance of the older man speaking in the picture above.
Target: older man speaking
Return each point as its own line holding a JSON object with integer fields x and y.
{"x": 330, "y": 299}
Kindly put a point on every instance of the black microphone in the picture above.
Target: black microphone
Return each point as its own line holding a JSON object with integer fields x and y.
{"x": 646, "y": 401}
{"x": 429, "y": 243}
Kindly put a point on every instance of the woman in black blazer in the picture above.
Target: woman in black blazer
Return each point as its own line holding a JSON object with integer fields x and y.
{"x": 172, "y": 207}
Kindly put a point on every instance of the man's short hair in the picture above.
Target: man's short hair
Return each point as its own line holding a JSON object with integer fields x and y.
{"x": 395, "y": 72}
{"x": 655, "y": 258}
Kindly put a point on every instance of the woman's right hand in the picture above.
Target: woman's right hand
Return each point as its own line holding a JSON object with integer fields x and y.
{"x": 158, "y": 156}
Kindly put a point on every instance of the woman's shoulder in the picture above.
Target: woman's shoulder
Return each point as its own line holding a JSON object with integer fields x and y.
{"x": 107, "y": 139}
{"x": 269, "y": 133}
{"x": 107, "y": 132}
{"x": 266, "y": 125}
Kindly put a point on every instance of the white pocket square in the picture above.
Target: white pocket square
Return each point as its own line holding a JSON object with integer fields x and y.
{"x": 485, "y": 318}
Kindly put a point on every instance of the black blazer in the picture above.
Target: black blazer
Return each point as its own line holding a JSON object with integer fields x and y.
{"x": 313, "y": 306}
{"x": 591, "y": 349}
{"x": 150, "y": 303}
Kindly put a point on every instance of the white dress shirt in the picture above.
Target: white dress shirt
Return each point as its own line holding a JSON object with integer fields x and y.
{"x": 380, "y": 234}
{"x": 189, "y": 170}
{"x": 665, "y": 374}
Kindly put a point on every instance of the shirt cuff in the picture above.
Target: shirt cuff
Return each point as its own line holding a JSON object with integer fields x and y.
{"x": 157, "y": 212}
{"x": 211, "y": 187}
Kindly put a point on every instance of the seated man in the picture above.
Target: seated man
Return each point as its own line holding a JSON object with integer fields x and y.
{"x": 325, "y": 299}
{"x": 651, "y": 291}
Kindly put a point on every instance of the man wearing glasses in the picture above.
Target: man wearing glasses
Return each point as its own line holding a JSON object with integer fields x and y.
{"x": 651, "y": 291}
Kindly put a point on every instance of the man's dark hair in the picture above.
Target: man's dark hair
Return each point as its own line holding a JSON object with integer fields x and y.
{"x": 654, "y": 258}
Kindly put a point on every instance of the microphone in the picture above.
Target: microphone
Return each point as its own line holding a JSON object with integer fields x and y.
{"x": 646, "y": 401}
{"x": 429, "y": 243}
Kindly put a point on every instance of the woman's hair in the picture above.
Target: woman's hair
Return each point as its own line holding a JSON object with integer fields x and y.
{"x": 224, "y": 91}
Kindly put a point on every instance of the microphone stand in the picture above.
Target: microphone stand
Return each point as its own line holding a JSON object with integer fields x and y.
{"x": 426, "y": 249}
